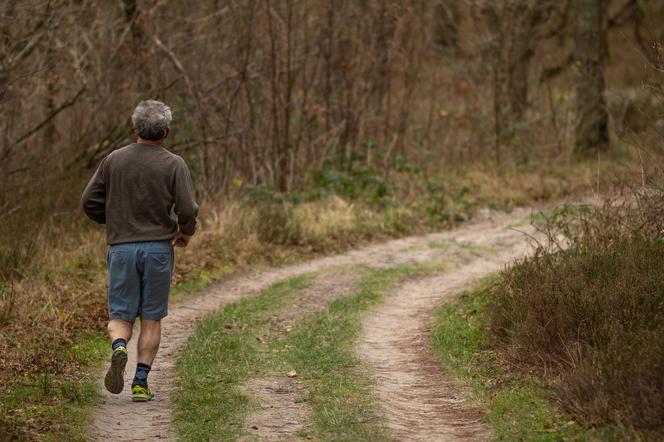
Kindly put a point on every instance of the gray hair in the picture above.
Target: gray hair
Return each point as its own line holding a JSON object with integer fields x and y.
{"x": 151, "y": 119}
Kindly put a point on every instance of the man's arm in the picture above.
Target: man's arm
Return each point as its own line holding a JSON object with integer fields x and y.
{"x": 93, "y": 200}
{"x": 186, "y": 208}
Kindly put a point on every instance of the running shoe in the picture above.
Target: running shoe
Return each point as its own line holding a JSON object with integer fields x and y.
{"x": 141, "y": 394}
{"x": 114, "y": 380}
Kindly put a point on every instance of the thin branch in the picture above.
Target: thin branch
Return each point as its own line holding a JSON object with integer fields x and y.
{"x": 193, "y": 92}
{"x": 622, "y": 15}
{"x": 62, "y": 107}
{"x": 176, "y": 63}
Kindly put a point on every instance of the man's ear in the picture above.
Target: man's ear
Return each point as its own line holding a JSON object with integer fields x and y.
{"x": 168, "y": 131}
{"x": 135, "y": 130}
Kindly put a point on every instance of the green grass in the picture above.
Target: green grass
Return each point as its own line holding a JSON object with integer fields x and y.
{"x": 340, "y": 391}
{"x": 240, "y": 343}
{"x": 220, "y": 357}
{"x": 517, "y": 406}
{"x": 56, "y": 408}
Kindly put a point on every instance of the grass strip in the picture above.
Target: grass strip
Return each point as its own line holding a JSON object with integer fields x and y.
{"x": 223, "y": 353}
{"x": 340, "y": 390}
{"x": 517, "y": 405}
{"x": 54, "y": 408}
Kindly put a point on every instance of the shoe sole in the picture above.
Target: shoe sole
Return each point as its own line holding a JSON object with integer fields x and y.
{"x": 142, "y": 398}
{"x": 114, "y": 380}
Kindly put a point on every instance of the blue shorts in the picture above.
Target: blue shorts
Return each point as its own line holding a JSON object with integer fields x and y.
{"x": 139, "y": 280}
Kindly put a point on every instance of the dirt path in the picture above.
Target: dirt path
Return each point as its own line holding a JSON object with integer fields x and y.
{"x": 419, "y": 402}
{"x": 117, "y": 418}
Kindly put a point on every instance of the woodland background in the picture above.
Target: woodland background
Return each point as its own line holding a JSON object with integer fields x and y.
{"x": 268, "y": 93}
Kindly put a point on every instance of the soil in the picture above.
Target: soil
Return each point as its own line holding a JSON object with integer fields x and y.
{"x": 416, "y": 396}
{"x": 419, "y": 401}
{"x": 283, "y": 410}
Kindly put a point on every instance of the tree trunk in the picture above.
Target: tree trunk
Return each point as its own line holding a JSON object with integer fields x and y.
{"x": 447, "y": 25}
{"x": 592, "y": 134}
{"x": 524, "y": 19}
{"x": 137, "y": 44}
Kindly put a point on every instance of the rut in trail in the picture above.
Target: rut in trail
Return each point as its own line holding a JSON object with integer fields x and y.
{"x": 117, "y": 418}
{"x": 418, "y": 401}
{"x": 283, "y": 411}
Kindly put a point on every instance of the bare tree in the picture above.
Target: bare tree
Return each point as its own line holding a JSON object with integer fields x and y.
{"x": 515, "y": 29}
{"x": 446, "y": 33}
{"x": 591, "y": 132}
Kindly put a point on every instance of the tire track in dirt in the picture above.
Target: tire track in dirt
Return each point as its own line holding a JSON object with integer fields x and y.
{"x": 419, "y": 402}
{"x": 283, "y": 410}
{"x": 117, "y": 418}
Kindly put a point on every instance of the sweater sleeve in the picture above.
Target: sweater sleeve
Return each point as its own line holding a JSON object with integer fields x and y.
{"x": 93, "y": 200}
{"x": 186, "y": 208}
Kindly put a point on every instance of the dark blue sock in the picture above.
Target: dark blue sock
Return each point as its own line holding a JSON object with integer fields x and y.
{"x": 142, "y": 372}
{"x": 119, "y": 342}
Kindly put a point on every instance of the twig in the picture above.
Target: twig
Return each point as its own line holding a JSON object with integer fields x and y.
{"x": 177, "y": 64}
{"x": 9, "y": 212}
{"x": 62, "y": 107}
{"x": 193, "y": 92}
{"x": 532, "y": 237}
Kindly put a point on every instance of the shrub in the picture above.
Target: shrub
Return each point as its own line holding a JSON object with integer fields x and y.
{"x": 590, "y": 317}
{"x": 275, "y": 225}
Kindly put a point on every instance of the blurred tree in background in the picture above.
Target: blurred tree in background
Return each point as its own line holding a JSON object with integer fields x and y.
{"x": 590, "y": 46}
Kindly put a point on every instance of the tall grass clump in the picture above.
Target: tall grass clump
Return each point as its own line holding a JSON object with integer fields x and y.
{"x": 587, "y": 312}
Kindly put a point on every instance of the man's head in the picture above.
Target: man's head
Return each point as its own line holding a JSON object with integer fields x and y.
{"x": 152, "y": 120}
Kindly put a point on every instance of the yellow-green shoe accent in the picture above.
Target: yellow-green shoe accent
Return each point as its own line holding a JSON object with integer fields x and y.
{"x": 114, "y": 380}
{"x": 141, "y": 394}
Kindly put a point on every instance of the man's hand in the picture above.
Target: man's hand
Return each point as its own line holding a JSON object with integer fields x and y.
{"x": 180, "y": 240}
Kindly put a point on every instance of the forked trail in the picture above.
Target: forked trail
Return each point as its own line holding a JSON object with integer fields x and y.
{"x": 418, "y": 402}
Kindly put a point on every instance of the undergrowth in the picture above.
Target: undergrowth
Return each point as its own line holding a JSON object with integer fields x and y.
{"x": 586, "y": 312}
{"x": 48, "y": 405}
{"x": 517, "y": 406}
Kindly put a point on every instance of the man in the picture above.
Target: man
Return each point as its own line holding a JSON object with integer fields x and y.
{"x": 143, "y": 194}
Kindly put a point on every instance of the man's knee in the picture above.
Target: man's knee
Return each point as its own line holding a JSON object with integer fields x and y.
{"x": 119, "y": 326}
{"x": 150, "y": 332}
{"x": 115, "y": 323}
{"x": 150, "y": 324}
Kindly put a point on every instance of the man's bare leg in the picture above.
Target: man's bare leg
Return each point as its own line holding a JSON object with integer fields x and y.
{"x": 148, "y": 345}
{"x": 148, "y": 341}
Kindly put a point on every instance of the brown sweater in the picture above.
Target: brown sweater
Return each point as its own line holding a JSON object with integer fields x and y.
{"x": 142, "y": 192}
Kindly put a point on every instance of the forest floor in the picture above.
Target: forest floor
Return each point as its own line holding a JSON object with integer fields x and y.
{"x": 416, "y": 400}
